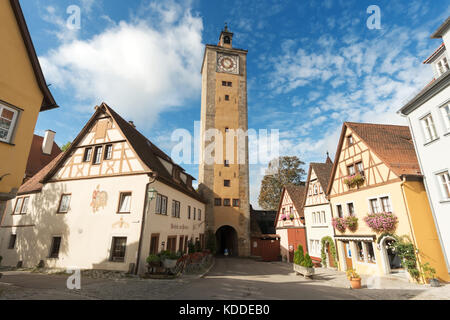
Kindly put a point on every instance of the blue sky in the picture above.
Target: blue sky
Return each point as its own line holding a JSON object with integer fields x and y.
{"x": 311, "y": 64}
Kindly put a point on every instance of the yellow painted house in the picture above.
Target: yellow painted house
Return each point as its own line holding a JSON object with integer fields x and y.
{"x": 23, "y": 94}
{"x": 375, "y": 172}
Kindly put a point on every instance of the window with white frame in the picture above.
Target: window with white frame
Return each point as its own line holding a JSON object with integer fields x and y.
{"x": 445, "y": 110}
{"x": 429, "y": 128}
{"x": 381, "y": 204}
{"x": 442, "y": 65}
{"x": 324, "y": 220}
{"x": 8, "y": 118}
{"x": 444, "y": 181}
{"x": 374, "y": 206}
{"x": 370, "y": 252}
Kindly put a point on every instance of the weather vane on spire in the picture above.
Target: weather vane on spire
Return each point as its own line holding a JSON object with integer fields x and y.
{"x": 226, "y": 27}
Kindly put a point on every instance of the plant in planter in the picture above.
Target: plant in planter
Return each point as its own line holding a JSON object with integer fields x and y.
{"x": 355, "y": 279}
{"x": 429, "y": 273}
{"x": 303, "y": 263}
{"x": 351, "y": 222}
{"x": 283, "y": 217}
{"x": 169, "y": 259}
{"x": 339, "y": 224}
{"x": 354, "y": 180}
{"x": 153, "y": 261}
{"x": 381, "y": 222}
{"x": 291, "y": 216}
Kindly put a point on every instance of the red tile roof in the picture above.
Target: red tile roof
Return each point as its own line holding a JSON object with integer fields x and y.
{"x": 392, "y": 144}
{"x": 37, "y": 159}
{"x": 427, "y": 60}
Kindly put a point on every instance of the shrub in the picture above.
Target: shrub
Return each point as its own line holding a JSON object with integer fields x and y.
{"x": 168, "y": 255}
{"x": 339, "y": 224}
{"x": 381, "y": 222}
{"x": 197, "y": 246}
{"x": 428, "y": 272}
{"x": 153, "y": 258}
{"x": 299, "y": 255}
{"x": 191, "y": 247}
{"x": 307, "y": 262}
{"x": 291, "y": 216}
{"x": 351, "y": 222}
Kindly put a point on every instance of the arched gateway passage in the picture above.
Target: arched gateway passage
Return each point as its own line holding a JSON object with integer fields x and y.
{"x": 226, "y": 238}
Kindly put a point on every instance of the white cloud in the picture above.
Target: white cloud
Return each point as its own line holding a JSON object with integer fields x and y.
{"x": 140, "y": 68}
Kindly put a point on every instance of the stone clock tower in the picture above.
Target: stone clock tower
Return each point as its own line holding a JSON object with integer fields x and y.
{"x": 224, "y": 182}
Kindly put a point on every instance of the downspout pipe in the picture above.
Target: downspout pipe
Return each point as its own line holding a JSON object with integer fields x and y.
{"x": 146, "y": 205}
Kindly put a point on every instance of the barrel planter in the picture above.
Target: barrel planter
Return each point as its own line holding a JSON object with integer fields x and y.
{"x": 306, "y": 272}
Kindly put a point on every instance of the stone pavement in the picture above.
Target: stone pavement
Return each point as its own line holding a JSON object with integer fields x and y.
{"x": 229, "y": 279}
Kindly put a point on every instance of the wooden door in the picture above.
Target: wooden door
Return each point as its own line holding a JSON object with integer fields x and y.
{"x": 330, "y": 257}
{"x": 154, "y": 244}
{"x": 348, "y": 255}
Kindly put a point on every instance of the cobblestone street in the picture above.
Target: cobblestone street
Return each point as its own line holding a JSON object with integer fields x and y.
{"x": 229, "y": 279}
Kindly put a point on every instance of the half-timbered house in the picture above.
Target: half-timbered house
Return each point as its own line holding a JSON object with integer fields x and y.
{"x": 317, "y": 210}
{"x": 290, "y": 223}
{"x": 376, "y": 172}
{"x": 107, "y": 202}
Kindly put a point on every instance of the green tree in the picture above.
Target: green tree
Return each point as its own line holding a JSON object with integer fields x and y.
{"x": 211, "y": 242}
{"x": 65, "y": 147}
{"x": 281, "y": 172}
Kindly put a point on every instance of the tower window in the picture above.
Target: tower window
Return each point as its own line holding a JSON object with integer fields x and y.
{"x": 229, "y": 84}
{"x": 227, "y": 163}
{"x": 227, "y": 40}
{"x": 227, "y": 97}
{"x": 226, "y": 202}
{"x": 224, "y": 83}
{"x": 226, "y": 183}
{"x": 217, "y": 202}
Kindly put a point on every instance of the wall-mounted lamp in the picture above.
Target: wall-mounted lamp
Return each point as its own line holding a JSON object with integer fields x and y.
{"x": 151, "y": 194}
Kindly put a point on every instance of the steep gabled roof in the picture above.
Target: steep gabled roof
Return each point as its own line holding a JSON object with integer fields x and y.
{"x": 391, "y": 143}
{"x": 442, "y": 29}
{"x": 297, "y": 195}
{"x": 48, "y": 102}
{"x": 38, "y": 159}
{"x": 34, "y": 184}
{"x": 323, "y": 172}
{"x": 146, "y": 151}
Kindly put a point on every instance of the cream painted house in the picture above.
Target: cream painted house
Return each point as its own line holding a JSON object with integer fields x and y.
{"x": 106, "y": 203}
{"x": 317, "y": 211}
{"x": 384, "y": 156}
{"x": 290, "y": 223}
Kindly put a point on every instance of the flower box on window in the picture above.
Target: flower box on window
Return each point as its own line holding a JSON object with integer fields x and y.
{"x": 283, "y": 217}
{"x": 355, "y": 180}
{"x": 351, "y": 222}
{"x": 381, "y": 222}
{"x": 339, "y": 224}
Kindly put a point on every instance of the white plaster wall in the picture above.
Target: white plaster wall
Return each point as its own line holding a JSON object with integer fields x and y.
{"x": 318, "y": 231}
{"x": 434, "y": 157}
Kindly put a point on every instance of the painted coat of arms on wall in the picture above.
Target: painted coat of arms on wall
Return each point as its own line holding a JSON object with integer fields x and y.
{"x": 99, "y": 199}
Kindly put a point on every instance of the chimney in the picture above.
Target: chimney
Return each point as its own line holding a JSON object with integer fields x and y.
{"x": 47, "y": 144}
{"x": 132, "y": 124}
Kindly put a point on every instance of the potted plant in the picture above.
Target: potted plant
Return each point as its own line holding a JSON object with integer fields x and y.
{"x": 352, "y": 223}
{"x": 169, "y": 259}
{"x": 429, "y": 274}
{"x": 283, "y": 217}
{"x": 153, "y": 261}
{"x": 354, "y": 180}
{"x": 303, "y": 263}
{"x": 355, "y": 279}
{"x": 291, "y": 216}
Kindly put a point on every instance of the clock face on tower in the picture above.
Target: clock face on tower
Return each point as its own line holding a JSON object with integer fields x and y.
{"x": 227, "y": 63}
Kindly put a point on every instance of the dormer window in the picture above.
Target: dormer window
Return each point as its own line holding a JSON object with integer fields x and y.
{"x": 442, "y": 65}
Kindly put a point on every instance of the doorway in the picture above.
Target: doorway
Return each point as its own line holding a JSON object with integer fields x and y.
{"x": 394, "y": 261}
{"x": 348, "y": 255}
{"x": 226, "y": 238}
{"x": 330, "y": 256}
